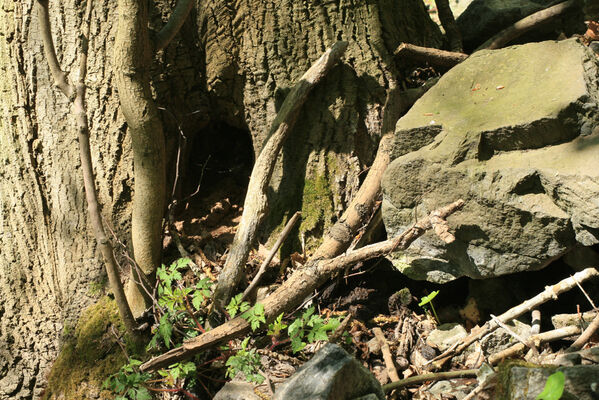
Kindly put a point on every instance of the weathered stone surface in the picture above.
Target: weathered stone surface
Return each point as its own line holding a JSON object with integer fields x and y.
{"x": 331, "y": 374}
{"x": 513, "y": 136}
{"x": 582, "y": 382}
{"x": 485, "y": 18}
{"x": 236, "y": 391}
{"x": 445, "y": 335}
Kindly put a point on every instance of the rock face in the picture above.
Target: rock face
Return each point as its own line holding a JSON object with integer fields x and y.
{"x": 332, "y": 374}
{"x": 512, "y": 132}
{"x": 581, "y": 382}
{"x": 485, "y": 18}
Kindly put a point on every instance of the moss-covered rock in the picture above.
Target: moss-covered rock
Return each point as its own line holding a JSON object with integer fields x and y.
{"x": 89, "y": 355}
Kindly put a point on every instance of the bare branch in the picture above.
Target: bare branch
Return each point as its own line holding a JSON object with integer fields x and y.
{"x": 448, "y": 22}
{"x": 436, "y": 376}
{"x": 255, "y": 205}
{"x": 586, "y": 335}
{"x": 59, "y": 76}
{"x": 550, "y": 293}
{"x": 294, "y": 290}
{"x": 525, "y": 25}
{"x": 174, "y": 23}
{"x": 387, "y": 357}
{"x": 438, "y": 57}
{"x": 284, "y": 233}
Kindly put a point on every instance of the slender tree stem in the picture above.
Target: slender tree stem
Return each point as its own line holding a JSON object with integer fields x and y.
{"x": 174, "y": 24}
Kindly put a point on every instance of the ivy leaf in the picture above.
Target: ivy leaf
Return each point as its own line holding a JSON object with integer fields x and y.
{"x": 554, "y": 387}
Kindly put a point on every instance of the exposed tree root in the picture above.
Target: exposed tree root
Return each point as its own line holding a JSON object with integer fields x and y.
{"x": 255, "y": 205}
{"x": 293, "y": 291}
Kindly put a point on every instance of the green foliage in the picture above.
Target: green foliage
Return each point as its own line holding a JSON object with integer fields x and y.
{"x": 554, "y": 387}
{"x": 177, "y": 371}
{"x": 276, "y": 327}
{"x": 428, "y": 300}
{"x": 311, "y": 327}
{"x": 255, "y": 316}
{"x": 246, "y": 362}
{"x": 128, "y": 382}
{"x": 236, "y": 306}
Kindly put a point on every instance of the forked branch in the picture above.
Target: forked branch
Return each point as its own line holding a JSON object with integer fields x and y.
{"x": 77, "y": 95}
{"x": 299, "y": 285}
{"x": 255, "y": 205}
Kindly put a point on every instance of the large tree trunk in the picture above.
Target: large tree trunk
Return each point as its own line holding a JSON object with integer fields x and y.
{"x": 233, "y": 63}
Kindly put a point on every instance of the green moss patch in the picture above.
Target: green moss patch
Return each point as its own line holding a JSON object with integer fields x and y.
{"x": 89, "y": 355}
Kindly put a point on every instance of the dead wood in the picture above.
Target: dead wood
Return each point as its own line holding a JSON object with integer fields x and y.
{"x": 586, "y": 335}
{"x": 436, "y": 376}
{"x": 284, "y": 233}
{"x": 432, "y": 56}
{"x": 76, "y": 94}
{"x": 550, "y": 293}
{"x": 387, "y": 357}
{"x": 299, "y": 285}
{"x": 549, "y": 336}
{"x": 255, "y": 205}
{"x": 526, "y": 24}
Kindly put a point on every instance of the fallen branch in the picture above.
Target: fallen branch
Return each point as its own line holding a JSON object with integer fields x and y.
{"x": 290, "y": 224}
{"x": 526, "y": 24}
{"x": 549, "y": 336}
{"x": 432, "y": 56}
{"x": 550, "y": 293}
{"x": 387, "y": 357}
{"x": 255, "y": 205}
{"x": 293, "y": 291}
{"x": 436, "y": 376}
{"x": 586, "y": 335}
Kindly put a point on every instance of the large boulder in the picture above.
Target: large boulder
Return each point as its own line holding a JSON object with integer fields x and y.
{"x": 512, "y": 132}
{"x": 485, "y": 18}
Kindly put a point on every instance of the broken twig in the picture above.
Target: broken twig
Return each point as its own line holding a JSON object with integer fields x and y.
{"x": 437, "y": 57}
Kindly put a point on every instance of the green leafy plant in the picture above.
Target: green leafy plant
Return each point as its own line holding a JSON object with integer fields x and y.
{"x": 311, "y": 327}
{"x": 128, "y": 383}
{"x": 276, "y": 327}
{"x": 255, "y": 316}
{"x": 554, "y": 387}
{"x": 428, "y": 300}
{"x": 177, "y": 371}
{"x": 237, "y": 306}
{"x": 246, "y": 362}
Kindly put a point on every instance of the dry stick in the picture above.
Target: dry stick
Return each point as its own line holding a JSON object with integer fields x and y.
{"x": 255, "y": 205}
{"x": 437, "y": 57}
{"x": 535, "y": 329}
{"x": 548, "y": 336}
{"x": 586, "y": 295}
{"x": 437, "y": 376}
{"x": 550, "y": 293}
{"x": 174, "y": 24}
{"x": 290, "y": 224}
{"x": 293, "y": 291}
{"x": 392, "y": 371}
{"x": 525, "y": 25}
{"x": 77, "y": 95}
{"x": 529, "y": 344}
{"x": 586, "y": 335}
{"x": 448, "y": 22}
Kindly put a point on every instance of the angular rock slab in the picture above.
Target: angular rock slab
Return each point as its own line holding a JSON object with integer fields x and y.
{"x": 512, "y": 132}
{"x": 332, "y": 374}
{"x": 582, "y": 382}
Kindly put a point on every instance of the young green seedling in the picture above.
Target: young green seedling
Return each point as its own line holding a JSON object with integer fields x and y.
{"x": 429, "y": 300}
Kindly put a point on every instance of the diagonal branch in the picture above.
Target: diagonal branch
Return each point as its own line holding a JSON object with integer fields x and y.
{"x": 174, "y": 23}
{"x": 59, "y": 76}
{"x": 255, "y": 205}
{"x": 76, "y": 94}
{"x": 526, "y": 24}
{"x": 294, "y": 290}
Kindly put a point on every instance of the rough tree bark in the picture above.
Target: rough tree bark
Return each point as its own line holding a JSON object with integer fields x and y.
{"x": 233, "y": 63}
